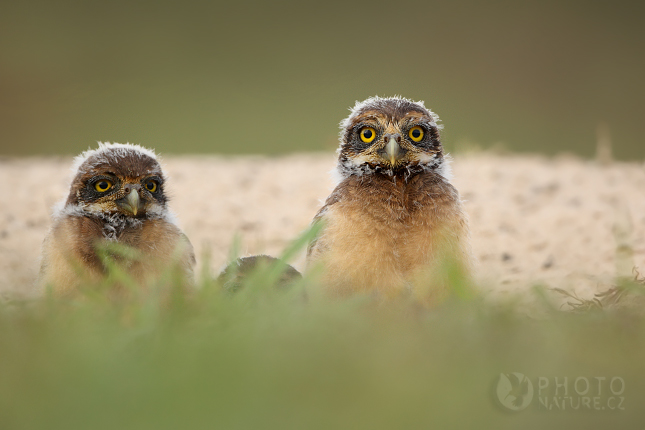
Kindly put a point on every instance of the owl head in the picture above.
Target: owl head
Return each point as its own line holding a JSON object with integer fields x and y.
{"x": 393, "y": 136}
{"x": 118, "y": 179}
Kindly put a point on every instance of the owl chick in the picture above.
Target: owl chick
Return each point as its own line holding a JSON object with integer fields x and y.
{"x": 394, "y": 223}
{"x": 116, "y": 197}
{"x": 233, "y": 277}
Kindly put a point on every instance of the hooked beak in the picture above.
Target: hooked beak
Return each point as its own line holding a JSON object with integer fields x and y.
{"x": 131, "y": 203}
{"x": 393, "y": 151}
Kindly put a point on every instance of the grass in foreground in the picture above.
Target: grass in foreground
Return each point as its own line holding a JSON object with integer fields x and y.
{"x": 270, "y": 358}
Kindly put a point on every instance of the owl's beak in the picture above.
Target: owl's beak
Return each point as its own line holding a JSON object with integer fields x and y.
{"x": 393, "y": 151}
{"x": 131, "y": 203}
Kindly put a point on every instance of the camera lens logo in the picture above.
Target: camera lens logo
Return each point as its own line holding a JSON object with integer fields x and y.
{"x": 514, "y": 391}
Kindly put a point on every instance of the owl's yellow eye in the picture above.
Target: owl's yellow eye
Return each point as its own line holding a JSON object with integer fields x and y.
{"x": 151, "y": 186}
{"x": 368, "y": 134}
{"x": 103, "y": 185}
{"x": 416, "y": 133}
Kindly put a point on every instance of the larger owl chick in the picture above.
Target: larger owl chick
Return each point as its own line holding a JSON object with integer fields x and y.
{"x": 394, "y": 224}
{"x": 116, "y": 197}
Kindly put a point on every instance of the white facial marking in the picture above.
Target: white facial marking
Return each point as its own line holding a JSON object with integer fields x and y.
{"x": 426, "y": 158}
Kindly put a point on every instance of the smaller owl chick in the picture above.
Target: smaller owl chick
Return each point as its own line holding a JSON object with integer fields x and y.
{"x": 233, "y": 277}
{"x": 394, "y": 224}
{"x": 116, "y": 197}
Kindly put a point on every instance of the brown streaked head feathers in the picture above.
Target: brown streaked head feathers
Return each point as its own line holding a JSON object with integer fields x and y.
{"x": 118, "y": 179}
{"x": 391, "y": 136}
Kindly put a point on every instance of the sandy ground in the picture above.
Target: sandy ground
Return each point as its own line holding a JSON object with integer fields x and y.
{"x": 534, "y": 220}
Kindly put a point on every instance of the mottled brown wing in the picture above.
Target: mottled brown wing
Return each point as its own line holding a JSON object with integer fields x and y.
{"x": 68, "y": 254}
{"x": 333, "y": 198}
{"x": 190, "y": 252}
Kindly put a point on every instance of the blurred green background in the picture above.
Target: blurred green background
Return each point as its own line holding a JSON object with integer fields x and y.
{"x": 260, "y": 77}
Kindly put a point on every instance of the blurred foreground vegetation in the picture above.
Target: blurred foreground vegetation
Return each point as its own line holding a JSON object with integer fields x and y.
{"x": 290, "y": 359}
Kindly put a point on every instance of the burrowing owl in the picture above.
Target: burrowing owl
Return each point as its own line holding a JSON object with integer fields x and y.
{"x": 394, "y": 223}
{"x": 116, "y": 196}
{"x": 237, "y": 272}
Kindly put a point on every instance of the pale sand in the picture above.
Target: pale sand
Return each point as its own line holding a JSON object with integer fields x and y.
{"x": 534, "y": 220}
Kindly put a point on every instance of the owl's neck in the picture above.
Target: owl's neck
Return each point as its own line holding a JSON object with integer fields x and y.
{"x": 438, "y": 166}
{"x": 114, "y": 225}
